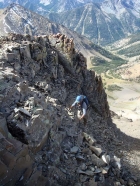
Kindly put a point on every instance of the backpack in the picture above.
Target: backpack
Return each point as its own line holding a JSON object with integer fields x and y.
{"x": 86, "y": 101}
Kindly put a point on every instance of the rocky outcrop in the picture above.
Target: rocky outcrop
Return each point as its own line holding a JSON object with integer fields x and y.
{"x": 42, "y": 142}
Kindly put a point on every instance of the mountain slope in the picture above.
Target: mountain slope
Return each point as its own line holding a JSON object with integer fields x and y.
{"x": 92, "y": 22}
{"x": 103, "y": 22}
{"x": 43, "y": 7}
{"x": 17, "y": 19}
{"x": 99, "y": 23}
{"x": 128, "y": 47}
{"x": 119, "y": 7}
{"x": 42, "y": 142}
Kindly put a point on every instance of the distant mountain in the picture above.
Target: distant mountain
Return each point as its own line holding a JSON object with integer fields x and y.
{"x": 44, "y": 7}
{"x": 101, "y": 21}
{"x": 92, "y": 22}
{"x": 17, "y": 19}
{"x": 120, "y": 7}
{"x": 105, "y": 23}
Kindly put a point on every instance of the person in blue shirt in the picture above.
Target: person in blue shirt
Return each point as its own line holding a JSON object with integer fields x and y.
{"x": 82, "y": 103}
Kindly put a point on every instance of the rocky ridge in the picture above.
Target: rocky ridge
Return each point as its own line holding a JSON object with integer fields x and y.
{"x": 16, "y": 19}
{"x": 42, "y": 142}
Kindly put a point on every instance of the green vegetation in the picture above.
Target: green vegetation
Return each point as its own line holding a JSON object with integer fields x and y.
{"x": 104, "y": 52}
{"x": 114, "y": 87}
{"x": 114, "y": 74}
{"x": 101, "y": 65}
{"x": 109, "y": 77}
{"x": 131, "y": 51}
{"x": 134, "y": 38}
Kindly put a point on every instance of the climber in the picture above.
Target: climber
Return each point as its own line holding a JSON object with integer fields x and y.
{"x": 83, "y": 104}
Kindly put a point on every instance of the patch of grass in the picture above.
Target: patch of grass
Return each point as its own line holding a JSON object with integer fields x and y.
{"x": 101, "y": 65}
{"x": 109, "y": 77}
{"x": 114, "y": 87}
{"x": 104, "y": 52}
{"x": 134, "y": 38}
{"x": 130, "y": 51}
{"x": 115, "y": 75}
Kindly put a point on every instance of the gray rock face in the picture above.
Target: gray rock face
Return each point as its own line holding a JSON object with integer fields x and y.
{"x": 41, "y": 141}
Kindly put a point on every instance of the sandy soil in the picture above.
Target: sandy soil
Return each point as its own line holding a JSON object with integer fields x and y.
{"x": 127, "y": 106}
{"x": 125, "y": 102}
{"x": 129, "y": 128}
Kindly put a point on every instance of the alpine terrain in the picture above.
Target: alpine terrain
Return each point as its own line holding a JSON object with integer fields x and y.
{"x": 122, "y": 83}
{"x": 42, "y": 142}
{"x": 44, "y": 66}
{"x": 45, "y": 6}
{"x": 101, "y": 21}
{"x": 17, "y": 19}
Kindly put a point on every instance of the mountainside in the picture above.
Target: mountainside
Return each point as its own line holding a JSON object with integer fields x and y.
{"x": 92, "y": 22}
{"x": 43, "y": 7}
{"x": 129, "y": 49}
{"x": 17, "y": 19}
{"x": 120, "y": 7}
{"x": 102, "y": 24}
{"x": 122, "y": 84}
{"x": 42, "y": 142}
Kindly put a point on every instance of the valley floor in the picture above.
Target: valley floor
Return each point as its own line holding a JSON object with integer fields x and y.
{"x": 125, "y": 101}
{"x": 126, "y": 104}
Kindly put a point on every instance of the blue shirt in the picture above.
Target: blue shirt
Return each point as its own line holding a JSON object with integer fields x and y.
{"x": 83, "y": 106}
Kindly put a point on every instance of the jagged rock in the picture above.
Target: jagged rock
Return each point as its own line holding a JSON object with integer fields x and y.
{"x": 10, "y": 57}
{"x": 87, "y": 172}
{"x": 74, "y": 150}
{"x": 89, "y": 139}
{"x": 106, "y": 158}
{"x": 22, "y": 110}
{"x": 117, "y": 162}
{"x": 83, "y": 178}
{"x": 83, "y": 167}
{"x": 25, "y": 50}
{"x": 98, "y": 171}
{"x": 117, "y": 184}
{"x": 105, "y": 169}
{"x": 96, "y": 150}
{"x": 79, "y": 157}
{"x": 3, "y": 126}
{"x": 92, "y": 168}
{"x": 97, "y": 161}
{"x": 87, "y": 151}
{"x": 47, "y": 143}
{"x": 92, "y": 183}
